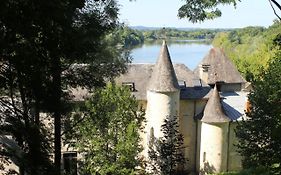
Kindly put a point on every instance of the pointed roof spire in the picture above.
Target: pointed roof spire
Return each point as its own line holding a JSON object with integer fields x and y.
{"x": 163, "y": 78}
{"x": 213, "y": 112}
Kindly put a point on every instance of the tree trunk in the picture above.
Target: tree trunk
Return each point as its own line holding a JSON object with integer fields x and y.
{"x": 56, "y": 73}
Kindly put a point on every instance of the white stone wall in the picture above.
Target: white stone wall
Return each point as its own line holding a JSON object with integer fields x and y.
{"x": 213, "y": 148}
{"x": 198, "y": 137}
{"x": 159, "y": 106}
{"x": 188, "y": 127}
{"x": 234, "y": 158}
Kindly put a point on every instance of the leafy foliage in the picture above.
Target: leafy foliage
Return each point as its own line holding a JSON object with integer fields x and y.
{"x": 130, "y": 37}
{"x": 259, "y": 136}
{"x": 198, "y": 11}
{"x": 250, "y": 48}
{"x": 41, "y": 44}
{"x": 108, "y": 135}
{"x": 254, "y": 170}
{"x": 171, "y": 33}
{"x": 166, "y": 153}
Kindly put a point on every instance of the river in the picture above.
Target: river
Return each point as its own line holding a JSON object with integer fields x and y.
{"x": 188, "y": 52}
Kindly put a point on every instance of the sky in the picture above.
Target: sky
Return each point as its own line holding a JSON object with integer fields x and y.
{"x": 163, "y": 13}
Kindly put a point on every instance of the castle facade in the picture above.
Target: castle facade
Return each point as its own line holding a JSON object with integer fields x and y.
{"x": 208, "y": 101}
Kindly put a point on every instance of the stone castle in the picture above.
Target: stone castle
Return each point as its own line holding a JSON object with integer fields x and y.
{"x": 207, "y": 101}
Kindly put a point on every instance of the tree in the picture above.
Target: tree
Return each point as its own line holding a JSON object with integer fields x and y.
{"x": 198, "y": 10}
{"x": 250, "y": 48}
{"x": 259, "y": 136}
{"x": 166, "y": 155}
{"x": 36, "y": 55}
{"x": 109, "y": 134}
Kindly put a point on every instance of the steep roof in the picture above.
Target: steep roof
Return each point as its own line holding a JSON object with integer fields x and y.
{"x": 163, "y": 78}
{"x": 140, "y": 74}
{"x": 221, "y": 68}
{"x": 213, "y": 112}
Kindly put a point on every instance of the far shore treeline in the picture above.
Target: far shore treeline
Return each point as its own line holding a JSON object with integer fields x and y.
{"x": 132, "y": 36}
{"x": 250, "y": 48}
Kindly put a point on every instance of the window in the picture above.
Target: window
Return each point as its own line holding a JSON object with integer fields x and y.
{"x": 150, "y": 137}
{"x": 204, "y": 157}
{"x": 131, "y": 86}
{"x": 70, "y": 163}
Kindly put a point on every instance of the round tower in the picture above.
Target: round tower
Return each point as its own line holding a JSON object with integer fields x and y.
{"x": 214, "y": 136}
{"x": 163, "y": 95}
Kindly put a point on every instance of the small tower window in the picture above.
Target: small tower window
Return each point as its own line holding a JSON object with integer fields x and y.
{"x": 204, "y": 157}
{"x": 130, "y": 85}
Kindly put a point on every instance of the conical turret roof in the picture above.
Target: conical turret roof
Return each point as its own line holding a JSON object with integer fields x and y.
{"x": 213, "y": 112}
{"x": 163, "y": 78}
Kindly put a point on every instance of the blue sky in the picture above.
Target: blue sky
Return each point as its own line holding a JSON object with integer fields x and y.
{"x": 163, "y": 13}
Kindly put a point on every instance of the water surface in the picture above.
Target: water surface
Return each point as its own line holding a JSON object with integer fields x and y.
{"x": 188, "y": 52}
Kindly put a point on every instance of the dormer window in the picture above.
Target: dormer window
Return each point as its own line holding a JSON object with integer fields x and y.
{"x": 197, "y": 84}
{"x": 182, "y": 84}
{"x": 130, "y": 85}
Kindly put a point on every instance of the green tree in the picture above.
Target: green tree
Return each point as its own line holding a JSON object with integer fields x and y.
{"x": 259, "y": 136}
{"x": 109, "y": 134}
{"x": 44, "y": 55}
{"x": 166, "y": 154}
{"x": 198, "y": 10}
{"x": 250, "y": 48}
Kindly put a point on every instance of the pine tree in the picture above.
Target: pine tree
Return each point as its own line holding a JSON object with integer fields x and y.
{"x": 166, "y": 155}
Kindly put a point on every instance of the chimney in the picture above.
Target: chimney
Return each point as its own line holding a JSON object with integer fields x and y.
{"x": 204, "y": 72}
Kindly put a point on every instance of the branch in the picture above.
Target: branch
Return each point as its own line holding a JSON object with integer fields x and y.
{"x": 278, "y": 5}
{"x": 74, "y": 125}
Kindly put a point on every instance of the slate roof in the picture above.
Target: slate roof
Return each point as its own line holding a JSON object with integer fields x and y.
{"x": 140, "y": 75}
{"x": 234, "y": 104}
{"x": 221, "y": 68}
{"x": 213, "y": 112}
{"x": 163, "y": 77}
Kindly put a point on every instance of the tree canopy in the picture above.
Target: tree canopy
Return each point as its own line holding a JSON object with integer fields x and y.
{"x": 47, "y": 47}
{"x": 165, "y": 154}
{"x": 109, "y": 134}
{"x": 259, "y": 136}
{"x": 198, "y": 10}
{"x": 250, "y": 48}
